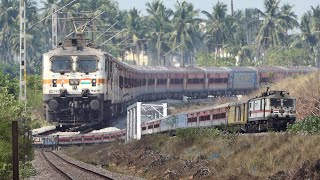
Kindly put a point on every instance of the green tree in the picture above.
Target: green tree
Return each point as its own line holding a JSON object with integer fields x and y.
{"x": 158, "y": 30}
{"x": 290, "y": 21}
{"x": 272, "y": 30}
{"x": 185, "y": 35}
{"x": 135, "y": 30}
{"x": 217, "y": 29}
{"x": 315, "y": 31}
{"x": 9, "y": 11}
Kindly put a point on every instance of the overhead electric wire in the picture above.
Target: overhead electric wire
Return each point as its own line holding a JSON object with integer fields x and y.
{"x": 51, "y": 14}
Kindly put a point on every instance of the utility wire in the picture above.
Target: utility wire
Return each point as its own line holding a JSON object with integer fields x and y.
{"x": 113, "y": 36}
{"x": 105, "y": 31}
{"x": 51, "y": 14}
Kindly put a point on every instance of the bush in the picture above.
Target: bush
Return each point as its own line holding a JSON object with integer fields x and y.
{"x": 310, "y": 125}
{"x": 11, "y": 109}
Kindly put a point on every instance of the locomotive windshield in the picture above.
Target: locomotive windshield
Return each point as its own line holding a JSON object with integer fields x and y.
{"x": 87, "y": 64}
{"x": 275, "y": 102}
{"x": 61, "y": 64}
{"x": 288, "y": 102}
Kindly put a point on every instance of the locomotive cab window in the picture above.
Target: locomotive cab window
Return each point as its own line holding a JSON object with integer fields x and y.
{"x": 288, "y": 102}
{"x": 275, "y": 102}
{"x": 87, "y": 64}
{"x": 61, "y": 64}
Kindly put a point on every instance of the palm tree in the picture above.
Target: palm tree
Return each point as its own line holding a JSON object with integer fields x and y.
{"x": 159, "y": 26}
{"x": 217, "y": 27}
{"x": 135, "y": 31}
{"x": 290, "y": 20}
{"x": 8, "y": 25}
{"x": 272, "y": 30}
{"x": 185, "y": 34}
{"x": 251, "y": 23}
{"x": 315, "y": 31}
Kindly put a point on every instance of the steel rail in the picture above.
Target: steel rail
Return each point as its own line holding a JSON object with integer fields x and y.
{"x": 82, "y": 168}
{"x": 65, "y": 175}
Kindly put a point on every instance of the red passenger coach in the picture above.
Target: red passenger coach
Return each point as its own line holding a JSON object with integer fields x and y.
{"x": 176, "y": 82}
{"x": 205, "y": 118}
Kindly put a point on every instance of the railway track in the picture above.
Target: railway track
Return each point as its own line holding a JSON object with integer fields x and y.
{"x": 69, "y": 170}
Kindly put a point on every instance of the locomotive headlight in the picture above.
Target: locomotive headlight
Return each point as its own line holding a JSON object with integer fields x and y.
{"x": 94, "y": 82}
{"x": 54, "y": 82}
{"x": 74, "y": 81}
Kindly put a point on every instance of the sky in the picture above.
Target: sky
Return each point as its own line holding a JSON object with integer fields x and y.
{"x": 300, "y": 6}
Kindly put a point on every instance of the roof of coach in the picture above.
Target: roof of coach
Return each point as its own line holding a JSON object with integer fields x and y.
{"x": 216, "y": 69}
{"x": 242, "y": 69}
{"x": 270, "y": 69}
{"x": 166, "y": 69}
{"x": 209, "y": 108}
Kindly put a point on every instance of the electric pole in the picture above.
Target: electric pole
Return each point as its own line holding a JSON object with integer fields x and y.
{"x": 54, "y": 26}
{"x": 232, "y": 12}
{"x": 23, "y": 69}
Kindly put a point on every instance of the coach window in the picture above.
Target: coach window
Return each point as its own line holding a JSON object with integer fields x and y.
{"x": 218, "y": 81}
{"x": 211, "y": 80}
{"x": 162, "y": 81}
{"x": 61, "y": 64}
{"x": 195, "y": 81}
{"x": 176, "y": 81}
{"x": 151, "y": 81}
{"x": 87, "y": 64}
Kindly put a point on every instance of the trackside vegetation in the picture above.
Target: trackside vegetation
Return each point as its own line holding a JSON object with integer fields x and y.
{"x": 309, "y": 125}
{"x": 11, "y": 109}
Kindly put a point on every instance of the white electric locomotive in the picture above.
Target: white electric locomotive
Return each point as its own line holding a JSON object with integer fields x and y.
{"x": 74, "y": 83}
{"x": 275, "y": 109}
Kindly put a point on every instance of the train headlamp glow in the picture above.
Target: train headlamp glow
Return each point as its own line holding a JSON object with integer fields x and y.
{"x": 54, "y": 83}
{"x": 74, "y": 81}
{"x": 94, "y": 82}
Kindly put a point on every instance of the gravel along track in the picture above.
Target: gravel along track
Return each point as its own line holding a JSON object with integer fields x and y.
{"x": 44, "y": 169}
{"x": 72, "y": 170}
{"x": 98, "y": 169}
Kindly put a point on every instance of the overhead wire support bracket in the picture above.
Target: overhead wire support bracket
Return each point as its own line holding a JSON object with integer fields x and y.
{"x": 81, "y": 28}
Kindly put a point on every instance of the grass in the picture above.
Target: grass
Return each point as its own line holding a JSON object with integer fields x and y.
{"x": 226, "y": 155}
